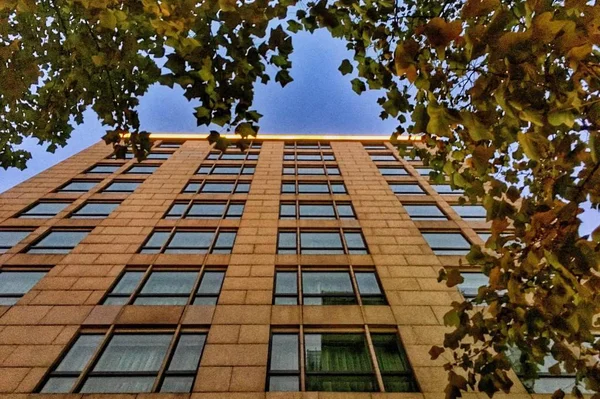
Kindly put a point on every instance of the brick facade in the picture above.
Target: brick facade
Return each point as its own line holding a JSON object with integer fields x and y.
{"x": 41, "y": 326}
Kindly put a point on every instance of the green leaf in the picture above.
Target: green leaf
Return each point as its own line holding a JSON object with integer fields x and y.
{"x": 451, "y": 318}
{"x": 557, "y": 118}
{"x": 528, "y": 145}
{"x": 439, "y": 123}
{"x": 358, "y": 86}
{"x": 246, "y": 129}
{"x": 346, "y": 67}
{"x": 108, "y": 20}
{"x": 99, "y": 60}
{"x": 227, "y": 5}
{"x": 477, "y": 130}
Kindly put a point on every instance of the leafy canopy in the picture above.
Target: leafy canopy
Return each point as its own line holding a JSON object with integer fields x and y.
{"x": 505, "y": 94}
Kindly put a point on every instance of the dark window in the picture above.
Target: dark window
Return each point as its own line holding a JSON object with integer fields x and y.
{"x": 308, "y": 156}
{"x": 159, "y": 156}
{"x": 44, "y": 210}
{"x": 292, "y": 187}
{"x": 129, "y": 362}
{"x": 78, "y": 186}
{"x": 425, "y": 212}
{"x": 218, "y": 187}
{"x": 284, "y": 363}
{"x": 311, "y": 170}
{"x": 226, "y": 170}
{"x": 206, "y": 210}
{"x": 15, "y": 284}
{"x": 327, "y": 288}
{"x": 446, "y": 189}
{"x": 307, "y": 210}
{"x": 307, "y": 146}
{"x": 321, "y": 242}
{"x": 447, "y": 243}
{"x": 104, "y": 169}
{"x": 189, "y": 241}
{"x": 393, "y": 364}
{"x": 122, "y": 186}
{"x": 10, "y": 238}
{"x": 58, "y": 242}
{"x": 392, "y": 171}
{"x": 166, "y": 287}
{"x": 142, "y": 169}
{"x": 95, "y": 210}
{"x": 400, "y": 188}
{"x": 471, "y": 212}
{"x": 382, "y": 157}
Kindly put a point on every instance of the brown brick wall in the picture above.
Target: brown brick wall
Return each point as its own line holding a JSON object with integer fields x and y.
{"x": 35, "y": 331}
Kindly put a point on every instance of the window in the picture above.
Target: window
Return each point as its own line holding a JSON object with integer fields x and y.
{"x": 58, "y": 242}
{"x": 447, "y": 243}
{"x": 311, "y": 210}
{"x": 10, "y": 238}
{"x": 325, "y": 242}
{"x": 170, "y": 145}
{"x": 472, "y": 281}
{"x": 206, "y": 210}
{"x": 374, "y": 147}
{"x": 406, "y": 188}
{"x": 392, "y": 171}
{"x": 157, "y": 156}
{"x": 446, "y": 189}
{"x": 228, "y": 156}
{"x": 338, "y": 362}
{"x": 180, "y": 241}
{"x": 95, "y": 210}
{"x": 225, "y": 170}
{"x": 15, "y": 284}
{"x": 484, "y": 235}
{"x": 78, "y": 186}
{"x": 308, "y": 156}
{"x": 424, "y": 212}
{"x": 424, "y": 171}
{"x": 330, "y": 187}
{"x": 122, "y": 186}
{"x": 218, "y": 187}
{"x": 471, "y": 212}
{"x": 307, "y": 146}
{"x": 311, "y": 170}
{"x": 383, "y": 157}
{"x": 44, "y": 210}
{"x": 167, "y": 287}
{"x": 327, "y": 287}
{"x": 546, "y": 381}
{"x": 142, "y": 169}
{"x": 104, "y": 169}
{"x": 254, "y": 145}
{"x": 129, "y": 362}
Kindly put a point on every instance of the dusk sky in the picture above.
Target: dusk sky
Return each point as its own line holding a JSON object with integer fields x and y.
{"x": 319, "y": 101}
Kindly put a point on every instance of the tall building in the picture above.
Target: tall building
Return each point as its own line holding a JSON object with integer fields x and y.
{"x": 304, "y": 264}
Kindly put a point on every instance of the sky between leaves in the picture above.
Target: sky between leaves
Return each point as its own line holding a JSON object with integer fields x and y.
{"x": 319, "y": 101}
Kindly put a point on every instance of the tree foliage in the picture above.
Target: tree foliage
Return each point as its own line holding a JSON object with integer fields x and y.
{"x": 505, "y": 94}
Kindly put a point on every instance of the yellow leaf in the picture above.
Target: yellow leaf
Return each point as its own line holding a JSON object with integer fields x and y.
{"x": 440, "y": 33}
{"x": 108, "y": 20}
{"x": 99, "y": 60}
{"x": 405, "y": 58}
{"x": 476, "y": 8}
{"x": 529, "y": 146}
{"x": 580, "y": 52}
{"x": 544, "y": 29}
{"x": 227, "y": 5}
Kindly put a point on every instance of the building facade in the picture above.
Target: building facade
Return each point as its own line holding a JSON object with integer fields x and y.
{"x": 305, "y": 267}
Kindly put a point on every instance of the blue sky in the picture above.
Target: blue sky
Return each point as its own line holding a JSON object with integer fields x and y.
{"x": 319, "y": 100}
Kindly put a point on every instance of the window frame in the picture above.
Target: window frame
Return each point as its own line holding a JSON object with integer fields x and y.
{"x": 24, "y": 214}
{"x": 202, "y": 183}
{"x": 334, "y": 204}
{"x": 152, "y": 167}
{"x": 105, "y": 338}
{"x": 451, "y": 192}
{"x": 443, "y": 215}
{"x": 246, "y": 169}
{"x": 219, "y": 155}
{"x": 169, "y": 144}
{"x": 136, "y": 292}
{"x": 212, "y": 248}
{"x": 380, "y": 155}
{"x": 189, "y": 205}
{"x": 401, "y": 169}
{"x": 330, "y": 184}
{"x": 90, "y": 170}
{"x": 447, "y": 250}
{"x": 307, "y": 145}
{"x": 4, "y": 247}
{"x": 321, "y": 156}
{"x": 470, "y": 218}
{"x": 62, "y": 188}
{"x": 350, "y": 270}
{"x": 18, "y": 295}
{"x": 74, "y": 215}
{"x": 105, "y": 189}
{"x": 392, "y": 184}
{"x": 35, "y": 249}
{"x": 328, "y": 170}
{"x": 345, "y": 249}
{"x": 371, "y": 351}
{"x": 375, "y": 146}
